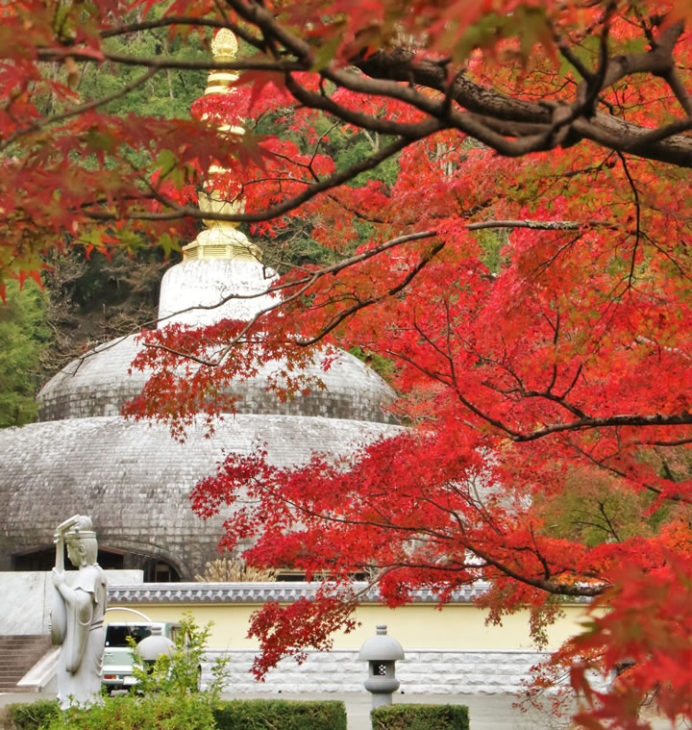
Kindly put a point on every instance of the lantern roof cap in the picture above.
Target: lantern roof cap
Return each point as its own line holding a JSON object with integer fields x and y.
{"x": 381, "y": 647}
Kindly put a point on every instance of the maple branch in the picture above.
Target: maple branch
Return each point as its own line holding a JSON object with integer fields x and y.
{"x": 677, "y": 442}
{"x": 595, "y": 525}
{"x": 565, "y": 246}
{"x": 545, "y": 394}
{"x": 563, "y": 589}
{"x": 575, "y": 380}
{"x": 184, "y": 355}
{"x": 374, "y": 123}
{"x": 539, "y": 555}
{"x": 570, "y": 56}
{"x": 605, "y": 129}
{"x": 673, "y": 80}
{"x": 601, "y": 464}
{"x": 305, "y": 283}
{"x": 326, "y": 270}
{"x": 667, "y": 130}
{"x": 385, "y": 67}
{"x": 594, "y": 84}
{"x": 618, "y": 135}
{"x": 422, "y": 369}
{"x": 339, "y": 318}
{"x": 556, "y": 338}
{"x": 658, "y": 61}
{"x": 611, "y": 526}
{"x": 582, "y": 423}
{"x": 296, "y": 201}
{"x": 638, "y": 215}
{"x": 538, "y": 126}
{"x": 569, "y": 589}
{"x": 433, "y": 375}
{"x": 60, "y": 54}
{"x": 676, "y": 419}
{"x": 166, "y": 22}
{"x": 536, "y": 225}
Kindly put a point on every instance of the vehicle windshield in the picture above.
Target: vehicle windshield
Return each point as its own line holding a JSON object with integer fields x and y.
{"x": 117, "y": 635}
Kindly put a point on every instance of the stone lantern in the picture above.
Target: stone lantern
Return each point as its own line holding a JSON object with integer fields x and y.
{"x": 381, "y": 652}
{"x": 153, "y": 647}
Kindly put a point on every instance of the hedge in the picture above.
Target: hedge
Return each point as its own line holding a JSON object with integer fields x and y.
{"x": 32, "y": 716}
{"x": 179, "y": 711}
{"x": 420, "y": 717}
{"x": 139, "y": 712}
{"x": 284, "y": 714}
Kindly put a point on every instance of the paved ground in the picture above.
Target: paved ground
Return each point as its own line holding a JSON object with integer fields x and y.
{"x": 487, "y": 712}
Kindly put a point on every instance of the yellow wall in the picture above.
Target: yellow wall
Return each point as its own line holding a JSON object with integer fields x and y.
{"x": 419, "y": 626}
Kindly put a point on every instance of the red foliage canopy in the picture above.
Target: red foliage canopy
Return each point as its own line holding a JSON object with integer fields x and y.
{"x": 526, "y": 273}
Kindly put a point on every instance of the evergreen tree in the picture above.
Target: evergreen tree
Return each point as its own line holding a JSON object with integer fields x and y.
{"x": 23, "y": 338}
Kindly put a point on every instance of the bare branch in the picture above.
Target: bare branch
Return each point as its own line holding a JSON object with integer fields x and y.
{"x": 638, "y": 216}
{"x": 296, "y": 201}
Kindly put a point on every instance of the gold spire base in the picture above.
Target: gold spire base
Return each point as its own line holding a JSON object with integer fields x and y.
{"x": 221, "y": 243}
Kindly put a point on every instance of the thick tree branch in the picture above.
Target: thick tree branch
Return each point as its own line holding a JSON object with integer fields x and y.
{"x": 512, "y": 126}
{"x": 675, "y": 419}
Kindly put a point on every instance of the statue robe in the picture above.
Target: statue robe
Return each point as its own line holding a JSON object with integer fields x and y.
{"x": 81, "y": 655}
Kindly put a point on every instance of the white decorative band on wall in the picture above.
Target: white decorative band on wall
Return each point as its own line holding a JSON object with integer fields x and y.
{"x": 422, "y": 671}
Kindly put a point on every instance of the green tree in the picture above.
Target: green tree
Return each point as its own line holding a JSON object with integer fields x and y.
{"x": 23, "y": 337}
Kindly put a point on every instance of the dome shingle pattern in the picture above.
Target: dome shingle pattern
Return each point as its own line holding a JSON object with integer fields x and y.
{"x": 134, "y": 479}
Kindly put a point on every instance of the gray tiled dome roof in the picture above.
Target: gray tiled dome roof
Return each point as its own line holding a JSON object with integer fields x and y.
{"x": 99, "y": 383}
{"x": 134, "y": 480}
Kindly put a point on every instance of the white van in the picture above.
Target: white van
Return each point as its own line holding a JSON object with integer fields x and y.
{"x": 118, "y": 657}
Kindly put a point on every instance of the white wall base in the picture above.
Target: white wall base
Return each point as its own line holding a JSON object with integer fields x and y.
{"x": 422, "y": 671}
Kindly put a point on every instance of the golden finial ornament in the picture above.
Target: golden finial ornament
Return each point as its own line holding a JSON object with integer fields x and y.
{"x": 224, "y": 47}
{"x": 221, "y": 239}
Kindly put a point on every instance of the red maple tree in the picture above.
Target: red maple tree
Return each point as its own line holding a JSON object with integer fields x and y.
{"x": 525, "y": 274}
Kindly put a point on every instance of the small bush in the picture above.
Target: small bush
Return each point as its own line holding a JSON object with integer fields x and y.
{"x": 129, "y": 712}
{"x": 180, "y": 671}
{"x": 284, "y": 714}
{"x": 181, "y": 712}
{"x": 32, "y": 716}
{"x": 420, "y": 717}
{"x": 172, "y": 699}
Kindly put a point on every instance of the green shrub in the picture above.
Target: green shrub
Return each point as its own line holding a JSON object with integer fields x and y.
{"x": 32, "y": 716}
{"x": 179, "y": 672}
{"x": 171, "y": 700}
{"x": 420, "y": 717}
{"x": 284, "y": 714}
{"x": 180, "y": 711}
{"x": 130, "y": 712}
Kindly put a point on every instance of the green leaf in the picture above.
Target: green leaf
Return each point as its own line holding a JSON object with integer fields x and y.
{"x": 168, "y": 244}
{"x": 97, "y": 140}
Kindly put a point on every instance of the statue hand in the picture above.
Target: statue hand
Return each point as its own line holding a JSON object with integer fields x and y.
{"x": 58, "y": 576}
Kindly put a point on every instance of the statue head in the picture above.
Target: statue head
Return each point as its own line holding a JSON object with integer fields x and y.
{"x": 80, "y": 538}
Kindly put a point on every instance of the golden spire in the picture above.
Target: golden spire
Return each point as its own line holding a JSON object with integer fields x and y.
{"x": 221, "y": 239}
